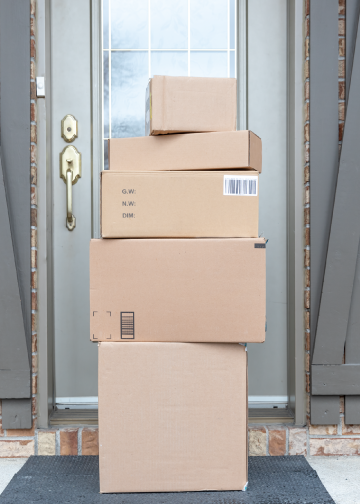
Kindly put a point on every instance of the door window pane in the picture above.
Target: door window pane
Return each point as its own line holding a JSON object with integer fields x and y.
{"x": 143, "y": 38}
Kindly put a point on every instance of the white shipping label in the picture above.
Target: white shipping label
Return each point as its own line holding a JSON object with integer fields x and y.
{"x": 240, "y": 185}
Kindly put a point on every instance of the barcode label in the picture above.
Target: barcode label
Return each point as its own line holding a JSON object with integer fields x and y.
{"x": 240, "y": 185}
{"x": 127, "y": 325}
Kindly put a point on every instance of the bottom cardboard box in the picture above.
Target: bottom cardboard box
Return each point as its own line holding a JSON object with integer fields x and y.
{"x": 172, "y": 417}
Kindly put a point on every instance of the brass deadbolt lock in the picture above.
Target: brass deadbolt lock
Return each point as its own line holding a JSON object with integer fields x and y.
{"x": 69, "y": 128}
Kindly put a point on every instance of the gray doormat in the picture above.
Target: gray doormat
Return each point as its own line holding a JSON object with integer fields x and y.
{"x": 61, "y": 480}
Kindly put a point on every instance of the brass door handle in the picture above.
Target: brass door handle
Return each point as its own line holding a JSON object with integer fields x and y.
{"x": 70, "y": 172}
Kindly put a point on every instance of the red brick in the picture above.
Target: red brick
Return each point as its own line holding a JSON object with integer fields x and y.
{"x": 307, "y": 153}
{"x": 307, "y": 278}
{"x": 307, "y": 69}
{"x": 342, "y": 7}
{"x": 34, "y": 385}
{"x": 306, "y": 195}
{"x": 257, "y": 441}
{"x": 32, "y": 91}
{"x": 341, "y": 131}
{"x": 307, "y": 27}
{"x": 33, "y": 153}
{"x": 32, "y": 70}
{"x": 33, "y": 196}
{"x": 21, "y": 432}
{"x": 307, "y": 376}
{"x": 307, "y": 90}
{"x": 33, "y": 112}
{"x": 307, "y": 111}
{"x": 69, "y": 442}
{"x": 34, "y": 301}
{"x": 307, "y": 341}
{"x": 334, "y": 446}
{"x": 307, "y": 7}
{"x": 307, "y": 258}
{"x": 307, "y": 52}
{"x": 19, "y": 449}
{"x": 306, "y": 173}
{"x": 33, "y": 133}
{"x": 33, "y": 322}
{"x": 342, "y": 47}
{"x": 90, "y": 442}
{"x": 323, "y": 430}
{"x": 34, "y": 279}
{"x": 307, "y": 320}
{"x": 342, "y": 27}
{"x": 33, "y": 217}
{"x": 32, "y": 27}
{"x": 297, "y": 441}
{"x": 33, "y": 176}
{"x": 307, "y": 299}
{"x": 306, "y": 216}
{"x": 34, "y": 342}
{"x": 277, "y": 442}
{"x": 307, "y": 236}
{"x": 33, "y": 239}
{"x": 341, "y": 65}
{"x": 32, "y": 48}
{"x": 306, "y": 132}
{"x": 1, "y": 429}
{"x": 348, "y": 430}
{"x": 342, "y": 111}
{"x": 33, "y": 7}
{"x": 342, "y": 90}
{"x": 33, "y": 260}
{"x": 34, "y": 363}
{"x": 33, "y": 406}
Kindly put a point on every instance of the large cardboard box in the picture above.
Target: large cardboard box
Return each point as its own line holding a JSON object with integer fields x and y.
{"x": 189, "y": 104}
{"x": 194, "y": 151}
{"x": 186, "y": 290}
{"x": 179, "y": 204}
{"x": 172, "y": 417}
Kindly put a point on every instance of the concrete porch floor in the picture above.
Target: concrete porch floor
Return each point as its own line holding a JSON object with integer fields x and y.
{"x": 340, "y": 475}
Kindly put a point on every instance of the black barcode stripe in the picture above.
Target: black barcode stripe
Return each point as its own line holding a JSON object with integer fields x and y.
{"x": 241, "y": 187}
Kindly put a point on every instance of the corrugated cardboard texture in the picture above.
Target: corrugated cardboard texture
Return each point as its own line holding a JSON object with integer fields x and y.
{"x": 196, "y": 290}
{"x": 191, "y": 104}
{"x": 194, "y": 151}
{"x": 172, "y": 417}
{"x": 177, "y": 205}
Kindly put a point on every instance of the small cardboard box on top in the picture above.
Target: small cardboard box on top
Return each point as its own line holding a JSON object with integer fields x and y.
{"x": 178, "y": 290}
{"x": 172, "y": 204}
{"x": 189, "y": 104}
{"x": 173, "y": 417}
{"x": 224, "y": 150}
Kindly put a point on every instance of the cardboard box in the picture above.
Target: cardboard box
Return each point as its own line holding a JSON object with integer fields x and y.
{"x": 179, "y": 204}
{"x": 189, "y": 104}
{"x": 196, "y": 290}
{"x": 194, "y": 151}
{"x": 172, "y": 417}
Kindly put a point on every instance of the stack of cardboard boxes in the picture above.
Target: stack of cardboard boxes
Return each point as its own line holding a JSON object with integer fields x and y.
{"x": 176, "y": 283}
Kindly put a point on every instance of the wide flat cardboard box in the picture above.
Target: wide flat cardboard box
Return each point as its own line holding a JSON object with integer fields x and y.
{"x": 189, "y": 104}
{"x": 179, "y": 204}
{"x": 185, "y": 290}
{"x": 194, "y": 151}
{"x": 172, "y": 417}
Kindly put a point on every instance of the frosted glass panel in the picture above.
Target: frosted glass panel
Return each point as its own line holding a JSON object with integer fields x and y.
{"x": 169, "y": 24}
{"x": 208, "y": 24}
{"x": 169, "y": 63}
{"x": 106, "y": 24}
{"x": 129, "y": 24}
{"x": 129, "y": 78}
{"x": 208, "y": 64}
{"x": 106, "y": 94}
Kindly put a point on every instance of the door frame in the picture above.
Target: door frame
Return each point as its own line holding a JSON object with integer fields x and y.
{"x": 295, "y": 220}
